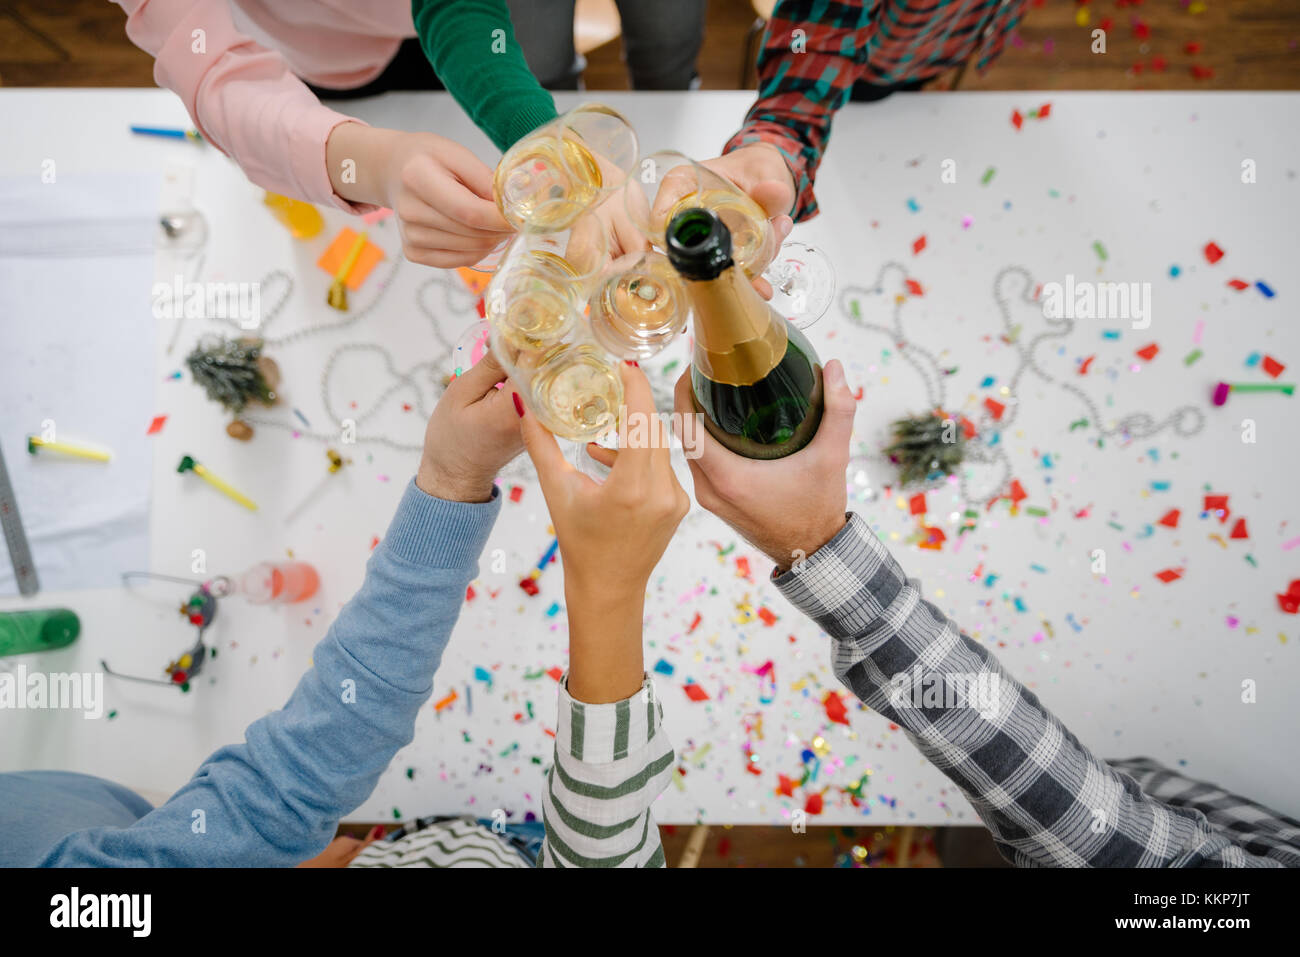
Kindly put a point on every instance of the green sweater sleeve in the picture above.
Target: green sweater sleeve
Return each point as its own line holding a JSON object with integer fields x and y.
{"x": 471, "y": 46}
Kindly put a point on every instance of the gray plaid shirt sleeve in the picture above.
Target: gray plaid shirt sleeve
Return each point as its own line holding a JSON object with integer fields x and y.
{"x": 1046, "y": 799}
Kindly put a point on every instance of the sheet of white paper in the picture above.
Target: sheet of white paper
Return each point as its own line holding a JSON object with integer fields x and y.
{"x": 77, "y": 354}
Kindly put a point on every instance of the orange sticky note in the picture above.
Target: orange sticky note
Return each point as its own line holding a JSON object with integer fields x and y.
{"x": 475, "y": 282}
{"x": 332, "y": 258}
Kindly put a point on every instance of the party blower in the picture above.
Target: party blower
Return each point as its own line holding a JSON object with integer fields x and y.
{"x": 189, "y": 465}
{"x": 1223, "y": 388}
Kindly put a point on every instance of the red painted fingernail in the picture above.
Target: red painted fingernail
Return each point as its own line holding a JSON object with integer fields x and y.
{"x": 519, "y": 404}
{"x": 378, "y": 832}
{"x": 632, "y": 362}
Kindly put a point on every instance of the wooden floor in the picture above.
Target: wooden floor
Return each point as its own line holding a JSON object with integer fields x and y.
{"x": 1246, "y": 44}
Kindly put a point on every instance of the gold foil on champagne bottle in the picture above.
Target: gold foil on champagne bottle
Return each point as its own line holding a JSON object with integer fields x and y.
{"x": 739, "y": 339}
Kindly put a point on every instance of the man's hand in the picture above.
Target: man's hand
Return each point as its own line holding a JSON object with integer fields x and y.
{"x": 760, "y": 170}
{"x": 472, "y": 434}
{"x": 440, "y": 191}
{"x": 787, "y": 508}
{"x": 612, "y": 534}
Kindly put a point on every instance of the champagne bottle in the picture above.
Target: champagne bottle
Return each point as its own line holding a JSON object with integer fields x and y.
{"x": 753, "y": 375}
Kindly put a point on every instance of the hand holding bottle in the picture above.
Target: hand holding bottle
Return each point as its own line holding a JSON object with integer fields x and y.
{"x": 789, "y": 507}
{"x": 440, "y": 191}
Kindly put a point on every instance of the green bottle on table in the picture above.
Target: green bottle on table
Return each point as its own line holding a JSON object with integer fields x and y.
{"x": 22, "y": 632}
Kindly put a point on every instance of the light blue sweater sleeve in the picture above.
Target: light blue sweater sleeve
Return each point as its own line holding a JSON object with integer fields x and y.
{"x": 276, "y": 799}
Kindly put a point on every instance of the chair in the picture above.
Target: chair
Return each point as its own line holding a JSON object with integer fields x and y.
{"x": 763, "y": 12}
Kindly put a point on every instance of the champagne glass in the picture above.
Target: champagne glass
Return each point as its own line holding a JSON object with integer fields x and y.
{"x": 639, "y": 310}
{"x": 668, "y": 182}
{"x": 573, "y": 387}
{"x": 559, "y": 170}
{"x": 543, "y": 282}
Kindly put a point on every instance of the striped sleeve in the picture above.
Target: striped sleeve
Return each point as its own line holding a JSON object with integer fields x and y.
{"x": 611, "y": 762}
{"x": 1046, "y": 799}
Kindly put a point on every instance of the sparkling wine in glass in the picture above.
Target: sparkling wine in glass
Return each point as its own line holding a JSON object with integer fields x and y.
{"x": 555, "y": 173}
{"x": 670, "y": 182}
{"x": 638, "y": 311}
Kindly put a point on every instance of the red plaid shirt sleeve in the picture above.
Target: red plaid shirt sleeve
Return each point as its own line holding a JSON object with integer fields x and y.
{"x": 806, "y": 71}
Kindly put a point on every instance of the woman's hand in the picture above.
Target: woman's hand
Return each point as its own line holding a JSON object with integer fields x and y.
{"x": 440, "y": 191}
{"x": 612, "y": 534}
{"x": 472, "y": 434}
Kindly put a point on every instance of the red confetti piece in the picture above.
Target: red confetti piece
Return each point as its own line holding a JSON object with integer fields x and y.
{"x": 1083, "y": 366}
{"x": 914, "y": 287}
{"x": 1215, "y": 502}
{"x": 995, "y": 408}
{"x": 917, "y": 504}
{"x": 1148, "y": 352}
{"x": 1016, "y": 119}
{"x": 934, "y": 539}
{"x": 529, "y": 585}
{"x": 695, "y": 623}
{"x": 785, "y": 785}
{"x": 159, "y": 421}
{"x": 918, "y": 244}
{"x": 1239, "y": 530}
{"x": 1045, "y": 111}
{"x": 482, "y": 310}
{"x": 555, "y": 674}
{"x": 516, "y": 492}
{"x": 1106, "y": 24}
{"x": 1017, "y": 494}
{"x": 1192, "y": 48}
{"x": 374, "y": 541}
{"x": 1238, "y": 284}
{"x": 967, "y": 428}
{"x": 469, "y": 593}
{"x": 1213, "y": 253}
{"x": 1288, "y": 604}
{"x": 695, "y": 692}
{"x": 814, "y": 804}
{"x": 1170, "y": 575}
{"x": 1273, "y": 367}
{"x": 1202, "y": 72}
{"x": 1158, "y": 64}
{"x": 768, "y": 616}
{"x": 835, "y": 710}
{"x": 1171, "y": 518}
{"x": 1141, "y": 30}
{"x": 742, "y": 567}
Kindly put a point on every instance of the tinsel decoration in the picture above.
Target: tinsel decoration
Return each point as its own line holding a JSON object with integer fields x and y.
{"x": 925, "y": 445}
{"x": 234, "y": 373}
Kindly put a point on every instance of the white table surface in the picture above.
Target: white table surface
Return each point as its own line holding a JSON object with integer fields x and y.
{"x": 1154, "y": 670}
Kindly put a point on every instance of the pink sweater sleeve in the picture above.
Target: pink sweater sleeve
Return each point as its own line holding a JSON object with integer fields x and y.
{"x": 243, "y": 98}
